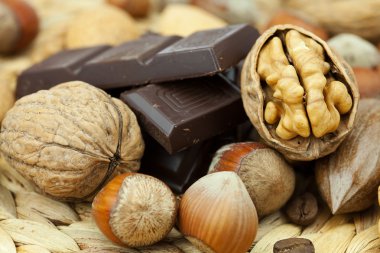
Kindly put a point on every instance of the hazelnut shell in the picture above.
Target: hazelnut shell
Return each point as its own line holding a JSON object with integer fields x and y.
{"x": 217, "y": 215}
{"x": 28, "y": 23}
{"x": 135, "y": 210}
{"x": 269, "y": 179}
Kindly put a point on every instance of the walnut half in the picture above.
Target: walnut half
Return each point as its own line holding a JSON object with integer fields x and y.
{"x": 300, "y": 96}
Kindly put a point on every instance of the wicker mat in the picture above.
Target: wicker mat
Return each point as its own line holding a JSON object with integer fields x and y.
{"x": 35, "y": 223}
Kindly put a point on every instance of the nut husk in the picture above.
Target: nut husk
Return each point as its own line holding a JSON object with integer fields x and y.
{"x": 348, "y": 179}
{"x": 254, "y": 99}
{"x": 71, "y": 139}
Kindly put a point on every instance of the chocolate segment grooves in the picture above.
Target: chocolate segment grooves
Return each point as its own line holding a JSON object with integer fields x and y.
{"x": 150, "y": 59}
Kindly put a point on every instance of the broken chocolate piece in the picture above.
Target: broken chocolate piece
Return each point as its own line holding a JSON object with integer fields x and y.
{"x": 183, "y": 113}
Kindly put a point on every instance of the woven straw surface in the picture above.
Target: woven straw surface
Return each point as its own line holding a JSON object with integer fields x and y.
{"x": 30, "y": 222}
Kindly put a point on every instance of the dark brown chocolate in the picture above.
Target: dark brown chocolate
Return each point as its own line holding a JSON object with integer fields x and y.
{"x": 59, "y": 68}
{"x": 150, "y": 59}
{"x": 294, "y": 245}
{"x": 178, "y": 170}
{"x": 181, "y": 114}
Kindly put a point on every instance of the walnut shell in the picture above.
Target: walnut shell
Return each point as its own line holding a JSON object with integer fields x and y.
{"x": 254, "y": 99}
{"x": 70, "y": 139}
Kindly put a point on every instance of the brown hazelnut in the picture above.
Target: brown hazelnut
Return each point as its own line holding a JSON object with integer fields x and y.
{"x": 269, "y": 179}
{"x": 285, "y": 17}
{"x": 216, "y": 214}
{"x": 71, "y": 139}
{"x": 137, "y": 8}
{"x": 368, "y": 80}
{"x": 135, "y": 210}
{"x": 18, "y": 26}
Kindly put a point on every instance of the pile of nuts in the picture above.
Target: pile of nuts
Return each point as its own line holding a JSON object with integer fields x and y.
{"x": 300, "y": 93}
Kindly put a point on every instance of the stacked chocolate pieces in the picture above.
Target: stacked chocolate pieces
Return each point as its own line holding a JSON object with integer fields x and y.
{"x": 174, "y": 85}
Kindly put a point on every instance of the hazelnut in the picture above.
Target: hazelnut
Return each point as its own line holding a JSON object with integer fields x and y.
{"x": 368, "y": 80}
{"x": 269, "y": 179}
{"x": 18, "y": 26}
{"x": 285, "y": 17}
{"x": 71, "y": 139}
{"x": 217, "y": 215}
{"x": 135, "y": 210}
{"x": 137, "y": 8}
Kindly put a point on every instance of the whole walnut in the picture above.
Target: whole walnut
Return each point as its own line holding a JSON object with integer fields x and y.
{"x": 71, "y": 139}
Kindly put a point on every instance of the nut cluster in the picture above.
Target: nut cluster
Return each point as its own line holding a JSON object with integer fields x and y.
{"x": 298, "y": 93}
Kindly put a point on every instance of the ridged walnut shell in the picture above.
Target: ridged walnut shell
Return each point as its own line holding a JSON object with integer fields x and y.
{"x": 70, "y": 139}
{"x": 254, "y": 100}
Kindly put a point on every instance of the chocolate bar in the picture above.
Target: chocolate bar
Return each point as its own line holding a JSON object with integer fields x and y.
{"x": 57, "y": 69}
{"x": 150, "y": 59}
{"x": 182, "y": 113}
{"x": 183, "y": 168}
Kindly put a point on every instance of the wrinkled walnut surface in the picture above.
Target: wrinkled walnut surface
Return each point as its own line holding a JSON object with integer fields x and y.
{"x": 300, "y": 96}
{"x": 68, "y": 138}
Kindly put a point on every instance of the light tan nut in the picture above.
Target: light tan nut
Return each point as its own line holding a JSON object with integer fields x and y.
{"x": 70, "y": 139}
{"x": 300, "y": 96}
{"x": 322, "y": 102}
{"x": 287, "y": 107}
{"x": 183, "y": 20}
{"x": 101, "y": 25}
